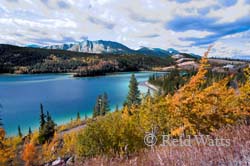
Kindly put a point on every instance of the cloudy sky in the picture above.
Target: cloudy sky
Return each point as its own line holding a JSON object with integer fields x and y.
{"x": 186, "y": 25}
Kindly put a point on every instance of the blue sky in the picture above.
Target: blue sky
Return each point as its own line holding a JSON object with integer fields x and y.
{"x": 186, "y": 25}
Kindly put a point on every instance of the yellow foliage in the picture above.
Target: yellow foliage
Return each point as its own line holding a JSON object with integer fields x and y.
{"x": 244, "y": 98}
{"x": 199, "y": 79}
{"x": 202, "y": 109}
{"x": 7, "y": 148}
{"x": 34, "y": 138}
{"x": 69, "y": 144}
{"x": 125, "y": 112}
{"x": 177, "y": 132}
{"x": 50, "y": 149}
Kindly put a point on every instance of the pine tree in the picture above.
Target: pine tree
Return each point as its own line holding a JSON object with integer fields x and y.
{"x": 42, "y": 117}
{"x": 104, "y": 105}
{"x": 97, "y": 107}
{"x": 49, "y": 127}
{"x": 41, "y": 137}
{"x": 78, "y": 117}
{"x": 19, "y": 131}
{"x": 148, "y": 93}
{"x": 30, "y": 132}
{"x": 133, "y": 97}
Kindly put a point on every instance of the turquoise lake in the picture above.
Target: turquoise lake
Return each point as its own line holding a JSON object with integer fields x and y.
{"x": 61, "y": 94}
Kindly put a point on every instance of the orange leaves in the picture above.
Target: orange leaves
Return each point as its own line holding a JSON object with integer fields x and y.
{"x": 29, "y": 154}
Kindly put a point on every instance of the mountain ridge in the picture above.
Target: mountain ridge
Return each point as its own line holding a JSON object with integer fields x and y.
{"x": 106, "y": 47}
{"x": 98, "y": 46}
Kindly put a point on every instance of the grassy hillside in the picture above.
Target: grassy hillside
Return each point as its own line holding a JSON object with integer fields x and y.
{"x": 235, "y": 154}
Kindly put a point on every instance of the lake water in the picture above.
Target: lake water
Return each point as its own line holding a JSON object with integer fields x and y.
{"x": 61, "y": 94}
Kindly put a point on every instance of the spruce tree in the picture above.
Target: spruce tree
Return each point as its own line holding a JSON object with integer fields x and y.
{"x": 148, "y": 93}
{"x": 78, "y": 117}
{"x": 160, "y": 92}
{"x": 20, "y": 132}
{"x": 41, "y": 137}
{"x": 30, "y": 132}
{"x": 42, "y": 117}
{"x": 104, "y": 105}
{"x": 133, "y": 97}
{"x": 97, "y": 107}
{"x": 49, "y": 127}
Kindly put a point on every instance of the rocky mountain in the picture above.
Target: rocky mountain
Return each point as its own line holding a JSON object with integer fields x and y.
{"x": 106, "y": 47}
{"x": 157, "y": 51}
{"x": 97, "y": 47}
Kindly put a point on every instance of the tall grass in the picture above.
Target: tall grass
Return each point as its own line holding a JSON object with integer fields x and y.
{"x": 238, "y": 153}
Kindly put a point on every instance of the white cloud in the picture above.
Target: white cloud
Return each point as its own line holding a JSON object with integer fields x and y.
{"x": 231, "y": 47}
{"x": 232, "y": 13}
{"x": 134, "y": 23}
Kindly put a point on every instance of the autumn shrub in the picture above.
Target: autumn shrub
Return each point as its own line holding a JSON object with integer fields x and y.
{"x": 69, "y": 144}
{"x": 114, "y": 134}
{"x": 51, "y": 149}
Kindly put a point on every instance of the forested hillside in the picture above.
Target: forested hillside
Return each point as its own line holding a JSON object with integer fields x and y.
{"x": 15, "y": 59}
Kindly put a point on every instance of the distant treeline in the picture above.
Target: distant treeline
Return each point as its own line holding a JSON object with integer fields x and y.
{"x": 230, "y": 59}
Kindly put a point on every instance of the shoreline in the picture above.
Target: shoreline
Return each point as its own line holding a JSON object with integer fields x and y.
{"x": 72, "y": 73}
{"x": 150, "y": 86}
